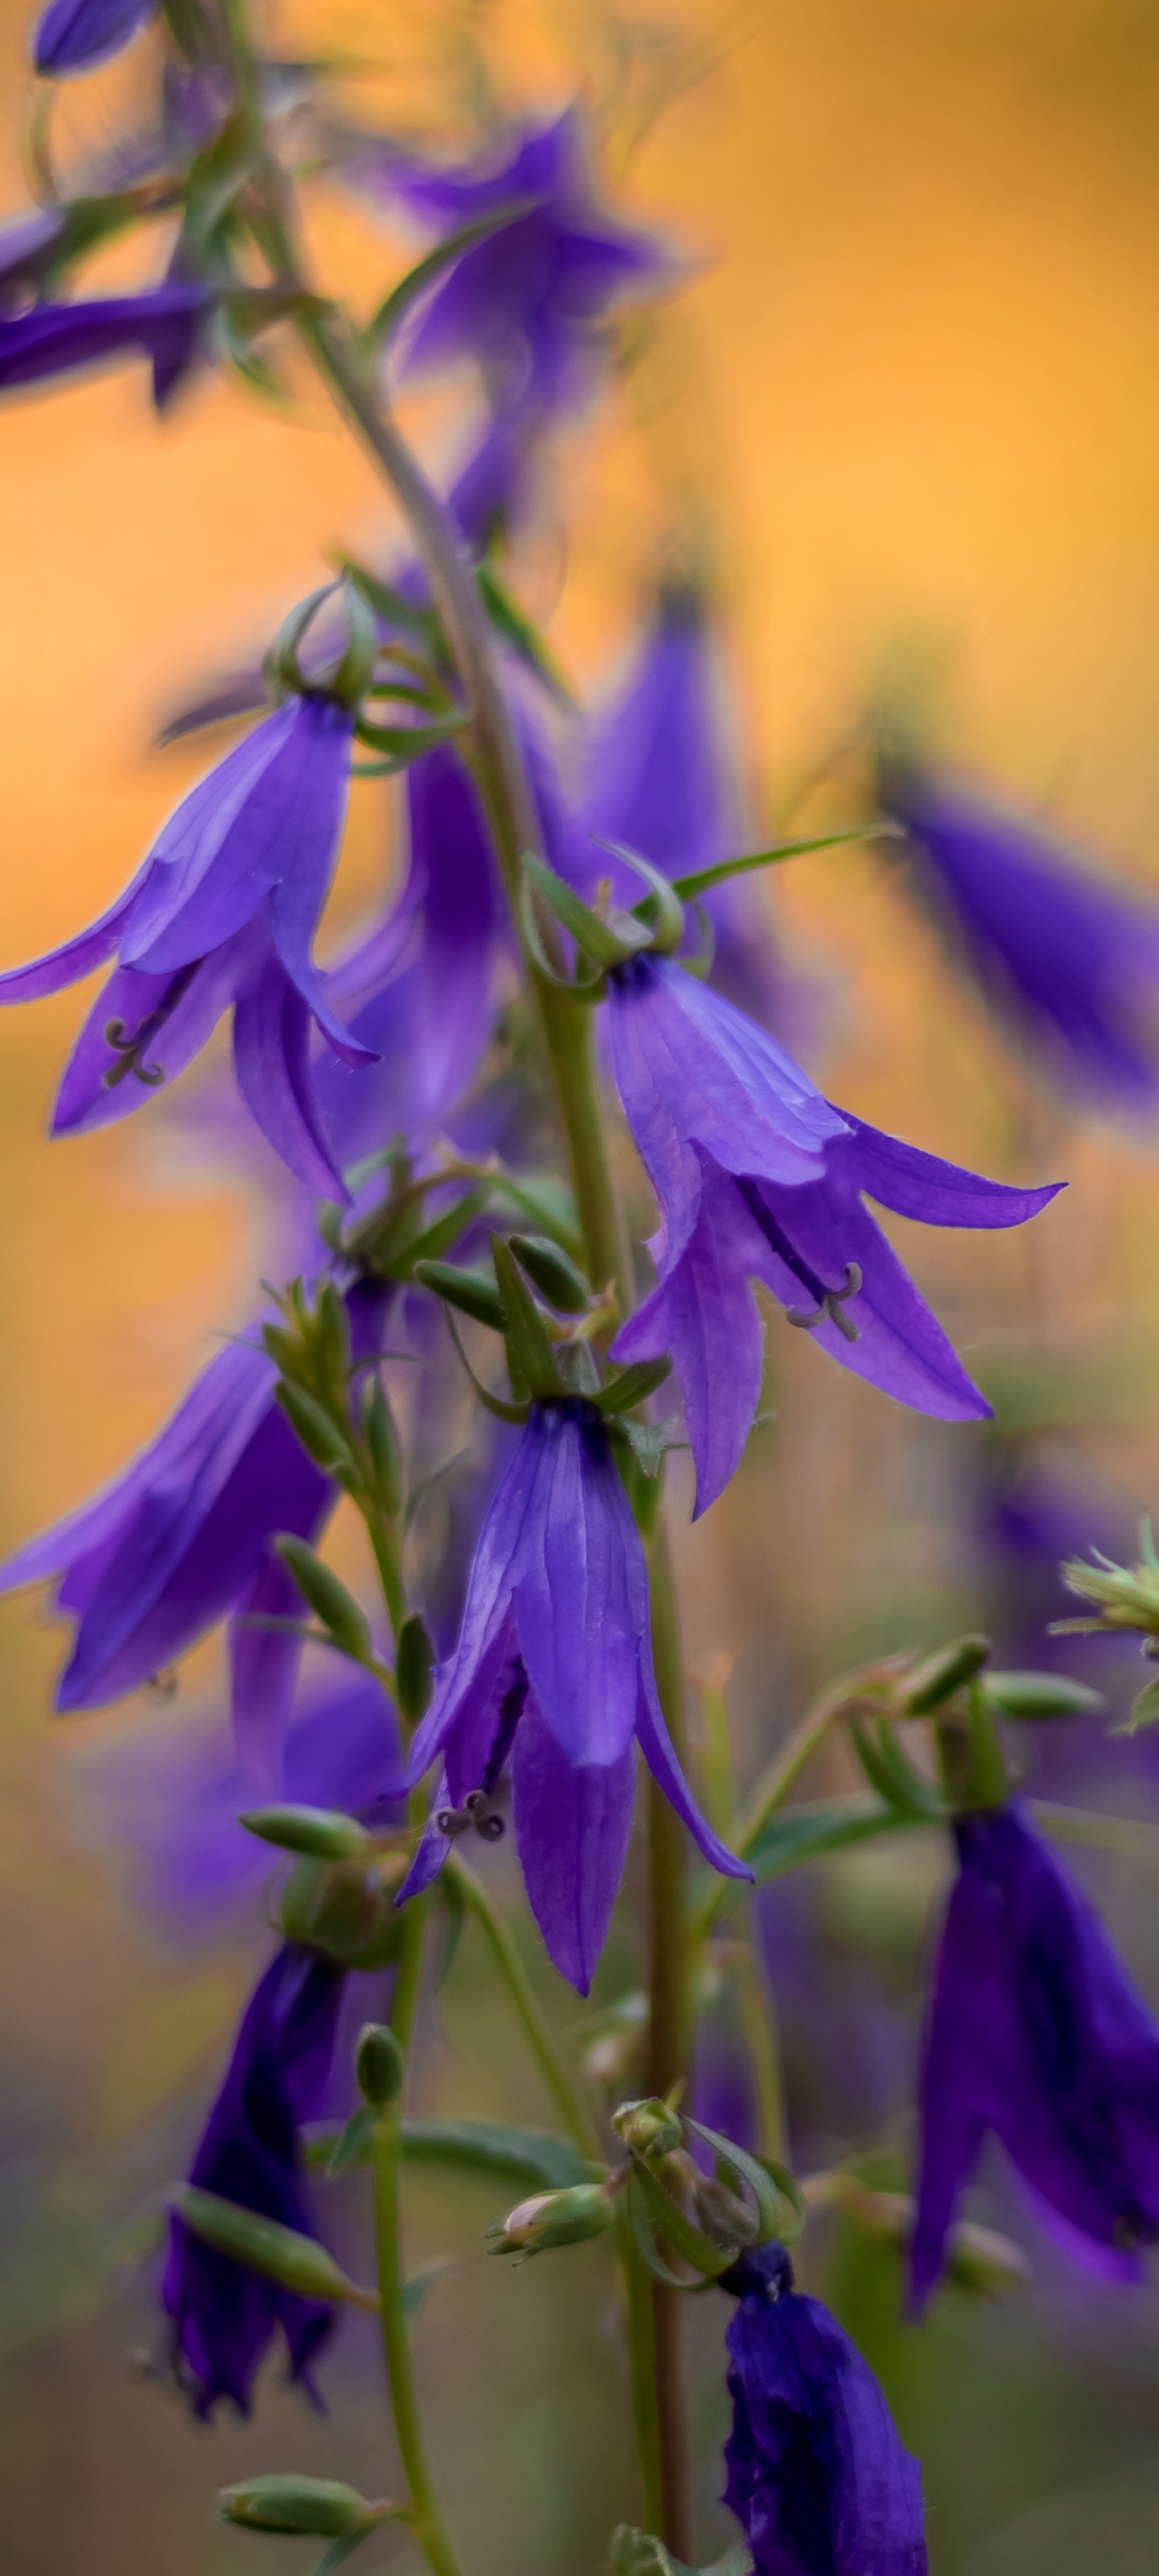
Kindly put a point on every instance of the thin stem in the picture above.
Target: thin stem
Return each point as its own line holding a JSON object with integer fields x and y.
{"x": 757, "y": 2023}
{"x": 539, "y": 2039}
{"x": 641, "y": 2362}
{"x": 669, "y": 2028}
{"x": 424, "y": 2517}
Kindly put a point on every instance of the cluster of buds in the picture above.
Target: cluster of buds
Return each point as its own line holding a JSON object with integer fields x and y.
{"x": 672, "y": 2206}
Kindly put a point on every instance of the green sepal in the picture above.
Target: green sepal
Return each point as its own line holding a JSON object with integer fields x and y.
{"x": 281, "y": 668}
{"x": 646, "y": 1442}
{"x": 772, "y": 2185}
{"x": 395, "y": 306}
{"x": 652, "y": 2214}
{"x": 320, "y": 1833}
{"x": 318, "y": 1433}
{"x": 641, "y": 2553}
{"x": 390, "y": 604}
{"x": 262, "y": 2245}
{"x": 345, "y": 1624}
{"x": 354, "y": 2144}
{"x": 894, "y": 1778}
{"x": 414, "y": 1663}
{"x": 472, "y": 1292}
{"x": 942, "y": 1674}
{"x": 530, "y": 1360}
{"x": 355, "y": 671}
{"x": 631, "y": 1386}
{"x": 1041, "y": 1695}
{"x": 516, "y": 629}
{"x": 494, "y": 1404}
{"x": 607, "y": 942}
{"x": 661, "y": 910}
{"x": 701, "y": 880}
{"x": 322, "y": 2506}
{"x": 426, "y": 1485}
{"x": 552, "y": 1272}
{"x": 400, "y": 745}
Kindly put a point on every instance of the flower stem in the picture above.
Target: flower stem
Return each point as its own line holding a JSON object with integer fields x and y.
{"x": 535, "y": 2029}
{"x": 424, "y": 2517}
{"x": 638, "y": 2288}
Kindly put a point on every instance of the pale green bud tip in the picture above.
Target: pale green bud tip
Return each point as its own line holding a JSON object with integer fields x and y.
{"x": 292, "y": 2504}
{"x": 319, "y": 1832}
{"x": 552, "y": 2218}
{"x": 650, "y": 2127}
{"x": 378, "y": 2065}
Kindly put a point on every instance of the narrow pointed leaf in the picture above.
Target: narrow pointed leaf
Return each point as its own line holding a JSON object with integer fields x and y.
{"x": 263, "y": 2245}
{"x": 701, "y": 880}
{"x": 530, "y": 1358}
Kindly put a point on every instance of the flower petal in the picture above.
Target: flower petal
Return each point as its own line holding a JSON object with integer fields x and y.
{"x": 572, "y": 1823}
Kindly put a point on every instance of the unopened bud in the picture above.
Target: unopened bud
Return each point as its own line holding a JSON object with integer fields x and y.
{"x": 651, "y": 2127}
{"x": 1041, "y": 1695}
{"x": 942, "y": 1674}
{"x": 552, "y": 2218}
{"x": 378, "y": 2065}
{"x": 320, "y": 2505}
{"x": 413, "y": 1667}
{"x": 320, "y": 1833}
{"x": 552, "y": 1273}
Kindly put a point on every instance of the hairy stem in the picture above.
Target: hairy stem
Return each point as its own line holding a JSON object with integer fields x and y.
{"x": 535, "y": 2029}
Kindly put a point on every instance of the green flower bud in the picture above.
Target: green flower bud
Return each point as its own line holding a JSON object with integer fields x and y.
{"x": 378, "y": 2065}
{"x": 552, "y": 1273}
{"x": 472, "y": 1291}
{"x": 346, "y": 1909}
{"x": 413, "y": 1666}
{"x": 552, "y": 2218}
{"x": 650, "y": 2127}
{"x": 328, "y": 1598}
{"x": 320, "y": 2505}
{"x": 317, "y": 1832}
{"x": 1041, "y": 1695}
{"x": 942, "y": 1674}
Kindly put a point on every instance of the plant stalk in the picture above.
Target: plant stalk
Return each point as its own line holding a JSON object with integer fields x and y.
{"x": 535, "y": 2029}
{"x": 424, "y": 2517}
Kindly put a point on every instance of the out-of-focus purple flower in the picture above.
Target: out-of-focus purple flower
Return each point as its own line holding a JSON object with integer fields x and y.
{"x": 166, "y": 324}
{"x": 224, "y": 2317}
{"x": 1068, "y": 958}
{"x": 221, "y": 913}
{"x": 182, "y": 1539}
{"x": 553, "y": 1678}
{"x": 528, "y": 301}
{"x": 76, "y": 35}
{"x": 817, "y": 2475}
{"x": 1034, "y": 2030}
{"x": 28, "y": 246}
{"x": 660, "y": 776}
{"x": 758, "y": 1177}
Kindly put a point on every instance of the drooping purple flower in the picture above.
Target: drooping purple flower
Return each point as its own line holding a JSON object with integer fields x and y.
{"x": 528, "y": 301}
{"x": 659, "y": 774}
{"x": 817, "y": 2475}
{"x": 224, "y": 2317}
{"x": 758, "y": 1177}
{"x": 76, "y": 35}
{"x": 1035, "y": 2031}
{"x": 166, "y": 324}
{"x": 1065, "y": 956}
{"x": 553, "y": 1678}
{"x": 221, "y": 913}
{"x": 182, "y": 1539}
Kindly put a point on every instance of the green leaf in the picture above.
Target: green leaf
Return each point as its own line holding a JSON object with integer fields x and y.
{"x": 287, "y": 2503}
{"x": 320, "y": 1437}
{"x": 397, "y": 304}
{"x": 447, "y": 1228}
{"x": 702, "y": 880}
{"x": 491, "y": 2147}
{"x": 609, "y": 942}
{"x": 530, "y": 1360}
{"x": 354, "y": 2145}
{"x": 262, "y": 2245}
{"x": 321, "y": 1832}
{"x": 471, "y": 1291}
{"x": 1042, "y": 1695}
{"x": 796, "y": 1834}
{"x": 328, "y": 1598}
{"x": 415, "y": 2290}
{"x": 632, "y": 1385}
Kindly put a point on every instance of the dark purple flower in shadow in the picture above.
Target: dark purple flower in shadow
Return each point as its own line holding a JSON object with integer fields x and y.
{"x": 659, "y": 774}
{"x": 1069, "y": 959}
{"x": 1035, "y": 2031}
{"x": 224, "y": 2317}
{"x": 817, "y": 2476}
{"x": 182, "y": 1539}
{"x": 221, "y": 914}
{"x": 758, "y": 1177}
{"x": 553, "y": 1679}
{"x": 166, "y": 325}
{"x": 76, "y": 35}
{"x": 528, "y": 301}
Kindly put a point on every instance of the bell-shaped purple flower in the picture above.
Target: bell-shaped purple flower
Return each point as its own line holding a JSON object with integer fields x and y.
{"x": 758, "y": 1177}
{"x": 166, "y": 325}
{"x": 527, "y": 302}
{"x": 817, "y": 2476}
{"x": 659, "y": 774}
{"x": 1067, "y": 958}
{"x": 76, "y": 35}
{"x": 552, "y": 1679}
{"x": 1034, "y": 2030}
{"x": 182, "y": 1539}
{"x": 221, "y": 914}
{"x": 224, "y": 2317}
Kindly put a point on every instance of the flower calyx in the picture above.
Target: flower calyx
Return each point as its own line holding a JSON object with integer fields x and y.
{"x": 675, "y": 2209}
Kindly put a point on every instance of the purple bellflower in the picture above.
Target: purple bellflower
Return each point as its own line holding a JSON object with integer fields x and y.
{"x": 557, "y": 1695}
{"x": 165, "y": 324}
{"x": 221, "y": 912}
{"x": 1066, "y": 957}
{"x": 76, "y": 35}
{"x": 182, "y": 1538}
{"x": 658, "y": 775}
{"x": 758, "y": 1177}
{"x": 1034, "y": 2030}
{"x": 817, "y": 2475}
{"x": 224, "y": 2317}
{"x": 528, "y": 301}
